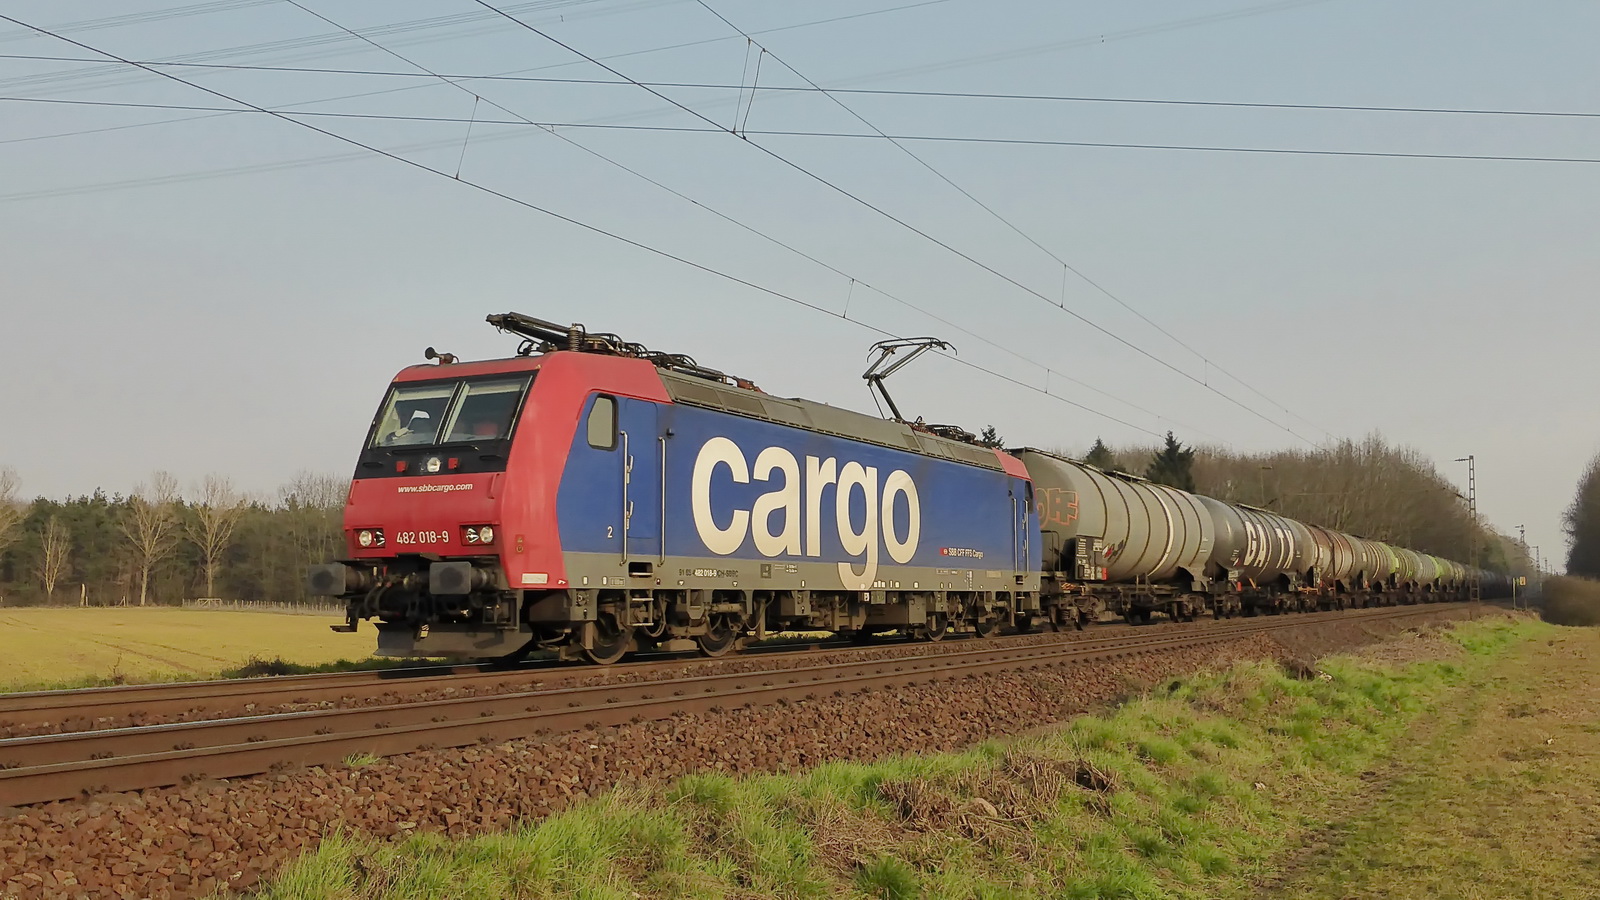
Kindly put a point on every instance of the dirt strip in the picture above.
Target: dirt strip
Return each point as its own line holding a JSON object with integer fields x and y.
{"x": 185, "y": 842}
{"x": 1492, "y": 795}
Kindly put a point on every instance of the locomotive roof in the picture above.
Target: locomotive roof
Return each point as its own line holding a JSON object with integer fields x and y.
{"x": 468, "y": 368}
{"x": 814, "y": 416}
{"x": 692, "y": 390}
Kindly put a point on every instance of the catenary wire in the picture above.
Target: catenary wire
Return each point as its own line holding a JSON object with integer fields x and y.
{"x": 903, "y": 223}
{"x": 717, "y": 129}
{"x": 669, "y": 47}
{"x": 323, "y": 41}
{"x": 724, "y": 216}
{"x": 883, "y": 92}
{"x": 995, "y": 214}
{"x": 570, "y": 220}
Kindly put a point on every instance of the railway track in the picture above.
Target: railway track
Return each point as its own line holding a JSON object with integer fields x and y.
{"x": 81, "y": 708}
{"x": 42, "y": 768}
{"x": 233, "y": 694}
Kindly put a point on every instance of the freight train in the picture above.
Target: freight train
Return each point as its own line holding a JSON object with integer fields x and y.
{"x": 593, "y": 497}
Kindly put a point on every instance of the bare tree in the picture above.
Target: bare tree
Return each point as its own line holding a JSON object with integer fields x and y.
{"x": 217, "y": 510}
{"x": 11, "y": 509}
{"x": 55, "y": 547}
{"x": 151, "y": 526}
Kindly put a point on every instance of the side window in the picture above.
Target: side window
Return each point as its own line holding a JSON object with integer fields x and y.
{"x": 603, "y": 423}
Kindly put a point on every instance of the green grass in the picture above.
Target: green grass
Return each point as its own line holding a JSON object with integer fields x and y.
{"x": 1189, "y": 791}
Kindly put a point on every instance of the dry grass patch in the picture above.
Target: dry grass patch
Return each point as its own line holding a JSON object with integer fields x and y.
{"x": 43, "y": 648}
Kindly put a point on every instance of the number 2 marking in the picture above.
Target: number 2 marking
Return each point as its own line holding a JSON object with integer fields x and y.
{"x": 609, "y": 532}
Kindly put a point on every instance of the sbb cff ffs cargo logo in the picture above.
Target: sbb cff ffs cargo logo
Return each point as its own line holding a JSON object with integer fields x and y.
{"x": 803, "y": 490}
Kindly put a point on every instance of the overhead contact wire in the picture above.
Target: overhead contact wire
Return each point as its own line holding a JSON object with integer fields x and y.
{"x": 994, "y": 213}
{"x": 751, "y": 229}
{"x": 893, "y": 218}
{"x": 816, "y": 89}
{"x": 549, "y": 212}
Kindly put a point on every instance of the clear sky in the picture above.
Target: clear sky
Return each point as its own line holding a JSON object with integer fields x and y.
{"x": 210, "y": 292}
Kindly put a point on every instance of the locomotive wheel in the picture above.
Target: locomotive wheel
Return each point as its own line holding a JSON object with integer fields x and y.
{"x": 722, "y": 632}
{"x": 608, "y": 642}
{"x": 938, "y": 626}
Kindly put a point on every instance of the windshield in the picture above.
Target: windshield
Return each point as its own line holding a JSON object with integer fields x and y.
{"x": 478, "y": 409}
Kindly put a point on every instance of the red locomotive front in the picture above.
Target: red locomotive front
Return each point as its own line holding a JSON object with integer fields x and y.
{"x": 451, "y": 513}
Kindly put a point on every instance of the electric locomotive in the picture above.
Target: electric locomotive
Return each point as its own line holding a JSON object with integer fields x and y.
{"x": 593, "y": 497}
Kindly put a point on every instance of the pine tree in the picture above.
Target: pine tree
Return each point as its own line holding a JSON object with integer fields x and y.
{"x": 1582, "y": 521}
{"x": 1100, "y": 456}
{"x": 991, "y": 438}
{"x": 1172, "y": 465}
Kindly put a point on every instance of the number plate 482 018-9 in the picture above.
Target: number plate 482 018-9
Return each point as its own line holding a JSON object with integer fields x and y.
{"x": 423, "y": 537}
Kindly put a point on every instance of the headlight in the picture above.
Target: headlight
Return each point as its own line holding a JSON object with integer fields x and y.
{"x": 370, "y": 537}
{"x": 479, "y": 534}
{"x": 486, "y": 535}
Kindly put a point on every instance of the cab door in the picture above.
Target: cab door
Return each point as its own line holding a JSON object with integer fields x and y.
{"x": 641, "y": 460}
{"x": 1021, "y": 525}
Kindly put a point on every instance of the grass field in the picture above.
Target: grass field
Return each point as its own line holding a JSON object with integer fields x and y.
{"x": 48, "y": 648}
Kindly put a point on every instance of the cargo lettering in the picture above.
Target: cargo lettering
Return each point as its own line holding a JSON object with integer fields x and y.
{"x": 797, "y": 502}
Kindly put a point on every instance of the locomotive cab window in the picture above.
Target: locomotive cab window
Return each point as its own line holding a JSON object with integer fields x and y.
{"x": 603, "y": 423}
{"x": 485, "y": 410}
{"x": 434, "y": 412}
{"x": 412, "y": 415}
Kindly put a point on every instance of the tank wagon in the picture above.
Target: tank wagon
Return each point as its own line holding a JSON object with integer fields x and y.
{"x": 593, "y": 497}
{"x": 1114, "y": 542}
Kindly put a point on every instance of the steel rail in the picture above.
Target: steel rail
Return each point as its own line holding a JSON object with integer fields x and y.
{"x": 26, "y": 708}
{"x": 36, "y": 708}
{"x": 54, "y": 767}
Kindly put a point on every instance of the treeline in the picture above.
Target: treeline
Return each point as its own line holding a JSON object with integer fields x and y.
{"x": 1367, "y": 487}
{"x": 1568, "y": 600}
{"x": 164, "y": 543}
{"x": 1582, "y": 524}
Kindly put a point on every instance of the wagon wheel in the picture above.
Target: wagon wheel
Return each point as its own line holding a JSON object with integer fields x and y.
{"x": 607, "y": 640}
{"x": 722, "y": 631}
{"x": 986, "y": 625}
